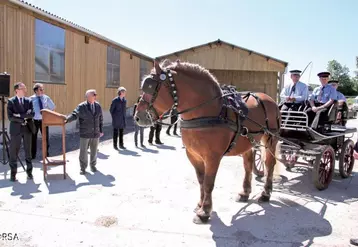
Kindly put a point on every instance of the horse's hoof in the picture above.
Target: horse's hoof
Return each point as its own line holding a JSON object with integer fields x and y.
{"x": 196, "y": 209}
{"x": 264, "y": 198}
{"x": 199, "y": 220}
{"x": 242, "y": 198}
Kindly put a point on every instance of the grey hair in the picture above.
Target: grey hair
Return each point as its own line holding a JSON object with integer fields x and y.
{"x": 121, "y": 89}
{"x": 89, "y": 91}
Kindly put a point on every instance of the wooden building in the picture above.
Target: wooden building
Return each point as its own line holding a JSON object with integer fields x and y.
{"x": 247, "y": 70}
{"x": 36, "y": 46}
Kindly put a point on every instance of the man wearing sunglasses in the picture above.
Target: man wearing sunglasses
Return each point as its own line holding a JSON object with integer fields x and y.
{"x": 90, "y": 116}
{"x": 295, "y": 94}
{"x": 40, "y": 101}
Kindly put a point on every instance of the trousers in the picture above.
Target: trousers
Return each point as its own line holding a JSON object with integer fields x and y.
{"x": 93, "y": 144}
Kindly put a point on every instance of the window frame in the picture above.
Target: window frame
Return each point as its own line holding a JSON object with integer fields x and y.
{"x": 50, "y": 57}
{"x": 110, "y": 62}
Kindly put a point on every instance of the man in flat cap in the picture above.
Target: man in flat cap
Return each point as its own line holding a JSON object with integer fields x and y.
{"x": 321, "y": 99}
{"x": 342, "y": 106}
{"x": 295, "y": 94}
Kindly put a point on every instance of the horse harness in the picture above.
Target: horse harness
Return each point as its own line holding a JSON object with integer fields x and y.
{"x": 232, "y": 99}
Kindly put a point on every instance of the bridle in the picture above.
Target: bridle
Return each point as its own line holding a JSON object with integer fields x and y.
{"x": 151, "y": 86}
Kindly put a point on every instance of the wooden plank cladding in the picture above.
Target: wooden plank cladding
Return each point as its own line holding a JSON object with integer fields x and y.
{"x": 227, "y": 57}
{"x": 256, "y": 81}
{"x": 85, "y": 63}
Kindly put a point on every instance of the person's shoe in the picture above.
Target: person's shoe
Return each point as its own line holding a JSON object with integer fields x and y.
{"x": 158, "y": 142}
{"x": 150, "y": 143}
{"x": 30, "y": 176}
{"x": 115, "y": 147}
{"x": 122, "y": 147}
{"x": 354, "y": 241}
{"x": 13, "y": 179}
{"x": 142, "y": 145}
{"x": 82, "y": 172}
{"x": 93, "y": 169}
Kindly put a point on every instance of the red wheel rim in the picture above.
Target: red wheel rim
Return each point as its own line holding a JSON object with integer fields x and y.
{"x": 325, "y": 167}
{"x": 258, "y": 164}
{"x": 348, "y": 158}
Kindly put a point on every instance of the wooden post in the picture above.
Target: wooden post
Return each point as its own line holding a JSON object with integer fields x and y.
{"x": 52, "y": 118}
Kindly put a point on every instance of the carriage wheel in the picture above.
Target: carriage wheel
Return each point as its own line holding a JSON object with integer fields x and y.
{"x": 346, "y": 159}
{"x": 259, "y": 166}
{"x": 289, "y": 160}
{"x": 323, "y": 168}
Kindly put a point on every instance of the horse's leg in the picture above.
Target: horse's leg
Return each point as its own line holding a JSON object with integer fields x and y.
{"x": 270, "y": 143}
{"x": 211, "y": 169}
{"x": 248, "y": 158}
{"x": 199, "y": 167}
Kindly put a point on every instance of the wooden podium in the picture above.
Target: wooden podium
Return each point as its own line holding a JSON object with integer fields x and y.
{"x": 52, "y": 118}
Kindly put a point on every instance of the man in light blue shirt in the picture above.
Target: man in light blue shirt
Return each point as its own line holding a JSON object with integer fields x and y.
{"x": 342, "y": 105}
{"x": 40, "y": 101}
{"x": 295, "y": 94}
{"x": 321, "y": 99}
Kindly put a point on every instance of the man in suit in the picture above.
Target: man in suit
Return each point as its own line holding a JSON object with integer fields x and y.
{"x": 90, "y": 117}
{"x": 354, "y": 241}
{"x": 40, "y": 101}
{"x": 20, "y": 113}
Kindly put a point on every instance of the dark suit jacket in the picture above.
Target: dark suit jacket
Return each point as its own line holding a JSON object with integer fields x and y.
{"x": 25, "y": 111}
{"x": 118, "y": 112}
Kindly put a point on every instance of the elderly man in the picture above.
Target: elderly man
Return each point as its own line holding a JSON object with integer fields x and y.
{"x": 295, "y": 94}
{"x": 90, "y": 118}
{"x": 20, "y": 112}
{"x": 342, "y": 107}
{"x": 118, "y": 113}
{"x": 40, "y": 101}
{"x": 321, "y": 99}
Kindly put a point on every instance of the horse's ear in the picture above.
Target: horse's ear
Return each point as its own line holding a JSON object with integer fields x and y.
{"x": 157, "y": 67}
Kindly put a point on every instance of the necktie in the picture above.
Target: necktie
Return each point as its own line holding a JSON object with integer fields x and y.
{"x": 92, "y": 106}
{"x": 319, "y": 98}
{"x": 293, "y": 89}
{"x": 40, "y": 103}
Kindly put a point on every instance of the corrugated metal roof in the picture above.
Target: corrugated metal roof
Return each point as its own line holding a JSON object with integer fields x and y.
{"x": 61, "y": 20}
{"x": 229, "y": 44}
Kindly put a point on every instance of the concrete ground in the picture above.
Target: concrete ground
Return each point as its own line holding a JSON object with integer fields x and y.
{"x": 146, "y": 197}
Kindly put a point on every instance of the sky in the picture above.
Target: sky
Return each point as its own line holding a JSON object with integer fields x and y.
{"x": 298, "y": 32}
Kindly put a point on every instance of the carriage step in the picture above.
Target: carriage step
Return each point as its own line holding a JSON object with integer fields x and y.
{"x": 338, "y": 128}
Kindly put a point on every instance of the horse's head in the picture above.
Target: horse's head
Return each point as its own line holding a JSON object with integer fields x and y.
{"x": 159, "y": 96}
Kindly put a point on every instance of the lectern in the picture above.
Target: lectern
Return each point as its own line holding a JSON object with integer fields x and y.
{"x": 52, "y": 118}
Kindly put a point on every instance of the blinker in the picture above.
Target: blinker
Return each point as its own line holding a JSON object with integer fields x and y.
{"x": 149, "y": 86}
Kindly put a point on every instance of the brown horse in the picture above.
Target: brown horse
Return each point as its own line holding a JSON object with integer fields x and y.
{"x": 208, "y": 134}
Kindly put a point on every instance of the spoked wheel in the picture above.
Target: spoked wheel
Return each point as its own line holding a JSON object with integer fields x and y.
{"x": 289, "y": 160}
{"x": 259, "y": 166}
{"x": 346, "y": 159}
{"x": 323, "y": 169}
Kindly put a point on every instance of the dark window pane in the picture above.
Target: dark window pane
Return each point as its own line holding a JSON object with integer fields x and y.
{"x": 109, "y": 74}
{"x": 41, "y": 64}
{"x": 116, "y": 75}
{"x": 57, "y": 65}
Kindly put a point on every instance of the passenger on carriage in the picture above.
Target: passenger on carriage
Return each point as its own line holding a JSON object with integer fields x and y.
{"x": 320, "y": 101}
{"x": 342, "y": 105}
{"x": 294, "y": 95}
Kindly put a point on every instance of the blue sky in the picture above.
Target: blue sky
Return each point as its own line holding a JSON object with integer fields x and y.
{"x": 294, "y": 31}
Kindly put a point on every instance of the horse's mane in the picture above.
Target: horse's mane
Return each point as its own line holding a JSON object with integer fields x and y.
{"x": 191, "y": 69}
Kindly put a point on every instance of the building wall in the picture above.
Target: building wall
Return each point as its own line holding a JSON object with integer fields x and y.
{"x": 257, "y": 81}
{"x": 225, "y": 57}
{"x": 85, "y": 64}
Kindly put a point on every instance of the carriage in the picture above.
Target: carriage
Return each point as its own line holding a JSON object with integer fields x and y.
{"x": 320, "y": 147}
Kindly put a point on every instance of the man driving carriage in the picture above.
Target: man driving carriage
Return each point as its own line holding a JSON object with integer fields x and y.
{"x": 320, "y": 100}
{"x": 294, "y": 95}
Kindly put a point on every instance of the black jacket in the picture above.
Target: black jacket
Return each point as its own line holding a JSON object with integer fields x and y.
{"x": 91, "y": 125}
{"x": 25, "y": 111}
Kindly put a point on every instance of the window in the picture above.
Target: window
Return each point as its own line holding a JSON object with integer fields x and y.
{"x": 113, "y": 66}
{"x": 49, "y": 52}
{"x": 143, "y": 71}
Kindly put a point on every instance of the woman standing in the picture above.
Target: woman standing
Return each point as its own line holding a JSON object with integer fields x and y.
{"x": 118, "y": 113}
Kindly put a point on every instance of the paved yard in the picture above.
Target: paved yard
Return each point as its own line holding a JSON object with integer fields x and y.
{"x": 146, "y": 197}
